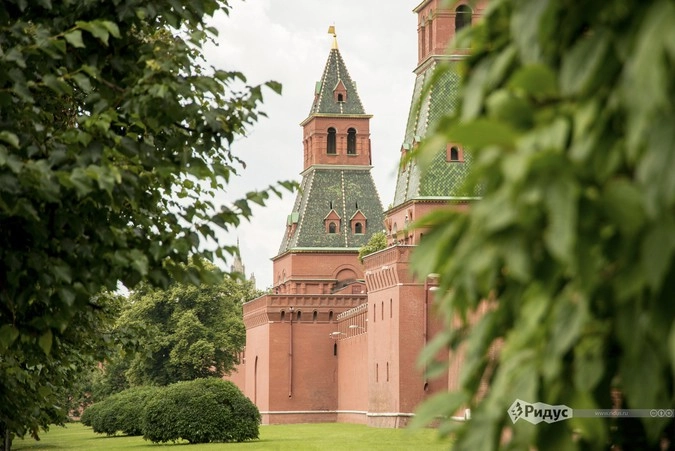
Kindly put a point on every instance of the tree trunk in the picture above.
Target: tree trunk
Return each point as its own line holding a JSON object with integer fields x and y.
{"x": 5, "y": 435}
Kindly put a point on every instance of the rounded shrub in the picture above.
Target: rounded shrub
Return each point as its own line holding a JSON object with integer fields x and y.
{"x": 201, "y": 411}
{"x": 121, "y": 412}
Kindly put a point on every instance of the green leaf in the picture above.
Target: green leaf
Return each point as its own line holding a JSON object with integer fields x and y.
{"x": 57, "y": 84}
{"x": 583, "y": 63}
{"x": 74, "y": 38}
{"x": 8, "y": 334}
{"x": 274, "y": 86}
{"x": 10, "y": 138}
{"x": 62, "y": 272}
{"x": 482, "y": 133}
{"x": 537, "y": 80}
{"x": 82, "y": 81}
{"x": 622, "y": 202}
{"x": 561, "y": 202}
{"x": 442, "y": 403}
{"x": 657, "y": 252}
{"x": 97, "y": 28}
{"x": 45, "y": 341}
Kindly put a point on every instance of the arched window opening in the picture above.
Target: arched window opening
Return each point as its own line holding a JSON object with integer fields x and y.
{"x": 358, "y": 228}
{"x": 331, "y": 145}
{"x": 341, "y": 97}
{"x": 335, "y": 348}
{"x": 351, "y": 141}
{"x": 462, "y": 17}
{"x": 454, "y": 153}
{"x": 332, "y": 228}
{"x": 330, "y": 316}
{"x": 298, "y": 316}
{"x": 315, "y": 315}
{"x": 283, "y": 315}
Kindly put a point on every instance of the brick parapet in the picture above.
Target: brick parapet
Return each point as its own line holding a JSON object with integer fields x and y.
{"x": 275, "y": 307}
{"x": 388, "y": 267}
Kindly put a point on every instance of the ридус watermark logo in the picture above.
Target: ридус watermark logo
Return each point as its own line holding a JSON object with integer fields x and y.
{"x": 537, "y": 412}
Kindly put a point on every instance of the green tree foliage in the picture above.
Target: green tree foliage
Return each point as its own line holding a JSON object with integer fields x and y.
{"x": 377, "y": 242}
{"x": 569, "y": 108}
{"x": 186, "y": 332}
{"x": 201, "y": 411}
{"x": 114, "y": 137}
{"x": 37, "y": 390}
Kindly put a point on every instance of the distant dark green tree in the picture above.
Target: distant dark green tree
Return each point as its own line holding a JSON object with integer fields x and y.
{"x": 569, "y": 109}
{"x": 376, "y": 243}
{"x": 114, "y": 137}
{"x": 187, "y": 332}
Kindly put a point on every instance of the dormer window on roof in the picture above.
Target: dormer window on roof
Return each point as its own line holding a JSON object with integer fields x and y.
{"x": 454, "y": 153}
{"x": 332, "y": 221}
{"x": 358, "y": 222}
{"x": 340, "y": 92}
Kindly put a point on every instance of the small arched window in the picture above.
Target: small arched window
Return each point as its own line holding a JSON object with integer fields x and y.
{"x": 351, "y": 141}
{"x": 283, "y": 315}
{"x": 315, "y": 315}
{"x": 331, "y": 145}
{"x": 462, "y": 17}
{"x": 341, "y": 97}
{"x": 330, "y": 316}
{"x": 332, "y": 228}
{"x": 358, "y": 228}
{"x": 298, "y": 316}
{"x": 454, "y": 153}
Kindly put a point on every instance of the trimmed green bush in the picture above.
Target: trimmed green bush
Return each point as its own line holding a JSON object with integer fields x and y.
{"x": 121, "y": 412}
{"x": 201, "y": 411}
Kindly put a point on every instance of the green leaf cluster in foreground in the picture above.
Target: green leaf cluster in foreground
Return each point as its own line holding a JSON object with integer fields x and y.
{"x": 569, "y": 110}
{"x": 200, "y": 411}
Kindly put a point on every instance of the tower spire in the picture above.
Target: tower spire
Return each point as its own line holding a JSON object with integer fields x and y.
{"x": 331, "y": 30}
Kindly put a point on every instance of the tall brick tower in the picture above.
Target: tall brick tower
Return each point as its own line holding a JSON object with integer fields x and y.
{"x": 400, "y": 320}
{"x": 291, "y": 356}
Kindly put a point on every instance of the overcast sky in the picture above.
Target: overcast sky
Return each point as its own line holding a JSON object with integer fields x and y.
{"x": 287, "y": 41}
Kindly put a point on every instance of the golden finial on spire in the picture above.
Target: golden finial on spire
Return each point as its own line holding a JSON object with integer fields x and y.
{"x": 331, "y": 30}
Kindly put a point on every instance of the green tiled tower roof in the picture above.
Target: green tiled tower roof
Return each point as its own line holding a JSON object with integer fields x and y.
{"x": 335, "y": 73}
{"x": 441, "y": 179}
{"x": 345, "y": 190}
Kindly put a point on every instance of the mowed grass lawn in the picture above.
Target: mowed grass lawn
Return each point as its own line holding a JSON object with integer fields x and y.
{"x": 328, "y": 436}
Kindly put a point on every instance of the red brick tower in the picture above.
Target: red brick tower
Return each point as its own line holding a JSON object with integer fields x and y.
{"x": 291, "y": 347}
{"x": 400, "y": 321}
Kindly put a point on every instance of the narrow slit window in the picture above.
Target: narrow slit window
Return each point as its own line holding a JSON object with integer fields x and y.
{"x": 331, "y": 144}
{"x": 462, "y": 17}
{"x": 351, "y": 141}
